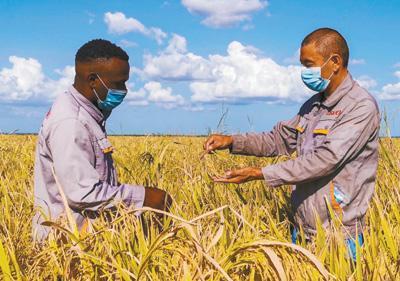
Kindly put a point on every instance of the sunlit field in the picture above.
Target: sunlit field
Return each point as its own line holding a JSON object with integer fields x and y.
{"x": 213, "y": 232}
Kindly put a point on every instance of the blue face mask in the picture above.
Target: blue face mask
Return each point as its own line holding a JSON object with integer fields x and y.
{"x": 311, "y": 76}
{"x": 113, "y": 99}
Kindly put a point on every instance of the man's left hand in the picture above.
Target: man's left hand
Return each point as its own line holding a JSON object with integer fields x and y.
{"x": 240, "y": 175}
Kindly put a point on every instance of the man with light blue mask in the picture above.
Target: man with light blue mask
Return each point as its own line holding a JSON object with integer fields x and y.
{"x": 335, "y": 137}
{"x": 74, "y": 154}
{"x": 313, "y": 79}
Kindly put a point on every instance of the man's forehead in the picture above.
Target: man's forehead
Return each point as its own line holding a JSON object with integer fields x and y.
{"x": 309, "y": 49}
{"x": 117, "y": 67}
{"x": 309, "y": 52}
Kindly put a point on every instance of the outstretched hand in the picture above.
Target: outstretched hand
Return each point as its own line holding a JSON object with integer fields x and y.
{"x": 240, "y": 175}
{"x": 216, "y": 142}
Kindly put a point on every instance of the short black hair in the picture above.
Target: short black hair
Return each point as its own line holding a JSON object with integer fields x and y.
{"x": 328, "y": 41}
{"x": 100, "y": 49}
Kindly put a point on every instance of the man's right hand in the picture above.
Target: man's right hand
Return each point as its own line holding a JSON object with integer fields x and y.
{"x": 157, "y": 199}
{"x": 217, "y": 142}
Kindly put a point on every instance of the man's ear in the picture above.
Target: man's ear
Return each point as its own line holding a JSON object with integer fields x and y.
{"x": 91, "y": 78}
{"x": 337, "y": 62}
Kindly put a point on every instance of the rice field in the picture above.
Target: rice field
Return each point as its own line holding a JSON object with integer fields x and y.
{"x": 213, "y": 232}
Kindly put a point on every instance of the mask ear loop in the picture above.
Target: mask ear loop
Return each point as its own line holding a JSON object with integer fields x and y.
{"x": 102, "y": 82}
{"x": 333, "y": 72}
{"x": 97, "y": 96}
{"x": 321, "y": 65}
{"x": 94, "y": 90}
{"x": 329, "y": 78}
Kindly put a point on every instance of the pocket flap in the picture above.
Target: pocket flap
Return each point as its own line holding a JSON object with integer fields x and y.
{"x": 320, "y": 131}
{"x": 301, "y": 127}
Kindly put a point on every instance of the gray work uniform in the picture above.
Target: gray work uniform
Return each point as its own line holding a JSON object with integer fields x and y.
{"x": 336, "y": 140}
{"x": 74, "y": 141}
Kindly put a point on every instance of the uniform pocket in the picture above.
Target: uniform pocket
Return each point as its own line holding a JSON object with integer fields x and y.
{"x": 325, "y": 122}
{"x": 322, "y": 129}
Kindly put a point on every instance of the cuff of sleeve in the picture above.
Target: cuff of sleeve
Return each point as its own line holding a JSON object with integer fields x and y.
{"x": 270, "y": 178}
{"x": 237, "y": 144}
{"x": 136, "y": 197}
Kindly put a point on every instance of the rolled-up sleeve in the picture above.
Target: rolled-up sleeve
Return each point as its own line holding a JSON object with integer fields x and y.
{"x": 280, "y": 141}
{"x": 73, "y": 157}
{"x": 344, "y": 140}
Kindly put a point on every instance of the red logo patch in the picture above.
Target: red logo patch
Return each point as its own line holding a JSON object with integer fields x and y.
{"x": 334, "y": 113}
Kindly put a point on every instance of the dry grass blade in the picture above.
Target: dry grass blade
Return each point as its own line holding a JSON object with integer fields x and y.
{"x": 155, "y": 246}
{"x": 208, "y": 214}
{"x": 305, "y": 252}
{"x": 276, "y": 261}
{"x": 219, "y": 233}
{"x": 5, "y": 263}
{"x": 201, "y": 251}
{"x": 70, "y": 218}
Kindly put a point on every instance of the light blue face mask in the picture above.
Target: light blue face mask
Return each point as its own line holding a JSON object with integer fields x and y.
{"x": 113, "y": 99}
{"x": 311, "y": 76}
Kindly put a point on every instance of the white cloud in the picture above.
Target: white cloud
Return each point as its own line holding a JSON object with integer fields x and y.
{"x": 357, "y": 61}
{"x": 22, "y": 80}
{"x": 366, "y": 82}
{"x": 154, "y": 93}
{"x": 137, "y": 98}
{"x": 294, "y": 59}
{"x": 391, "y": 91}
{"x": 51, "y": 88}
{"x": 162, "y": 96}
{"x": 176, "y": 63}
{"x": 242, "y": 75}
{"x": 118, "y": 23}
{"x": 25, "y": 80}
{"x": 224, "y": 13}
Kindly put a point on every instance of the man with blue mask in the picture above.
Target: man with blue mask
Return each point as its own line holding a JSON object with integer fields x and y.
{"x": 335, "y": 137}
{"x": 113, "y": 99}
{"x": 313, "y": 79}
{"x": 74, "y": 154}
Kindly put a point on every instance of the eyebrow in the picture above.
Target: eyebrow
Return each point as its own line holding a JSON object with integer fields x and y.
{"x": 306, "y": 61}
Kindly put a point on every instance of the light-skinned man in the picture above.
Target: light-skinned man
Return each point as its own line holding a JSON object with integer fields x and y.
{"x": 335, "y": 135}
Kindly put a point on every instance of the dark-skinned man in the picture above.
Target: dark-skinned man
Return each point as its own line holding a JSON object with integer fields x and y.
{"x": 73, "y": 147}
{"x": 335, "y": 135}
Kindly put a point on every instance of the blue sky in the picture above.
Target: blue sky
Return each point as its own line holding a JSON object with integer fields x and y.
{"x": 192, "y": 59}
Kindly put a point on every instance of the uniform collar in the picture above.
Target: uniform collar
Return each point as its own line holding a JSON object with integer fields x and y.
{"x": 344, "y": 87}
{"x": 93, "y": 111}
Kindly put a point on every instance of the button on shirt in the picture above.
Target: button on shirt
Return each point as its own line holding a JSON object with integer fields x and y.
{"x": 74, "y": 142}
